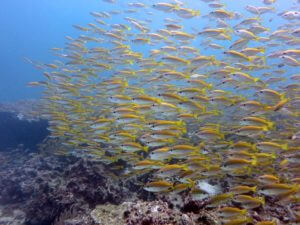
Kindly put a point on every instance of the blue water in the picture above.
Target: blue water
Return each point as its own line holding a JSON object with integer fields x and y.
{"x": 30, "y": 28}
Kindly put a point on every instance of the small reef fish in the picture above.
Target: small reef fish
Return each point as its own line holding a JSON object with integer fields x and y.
{"x": 206, "y": 104}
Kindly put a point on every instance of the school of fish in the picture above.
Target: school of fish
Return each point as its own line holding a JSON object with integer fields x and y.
{"x": 195, "y": 107}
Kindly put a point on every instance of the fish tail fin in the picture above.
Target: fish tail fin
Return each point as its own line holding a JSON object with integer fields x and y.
{"x": 197, "y": 13}
{"x": 283, "y": 163}
{"x": 191, "y": 183}
{"x": 285, "y": 147}
{"x": 176, "y": 7}
{"x": 265, "y": 128}
{"x": 125, "y": 83}
{"x": 264, "y": 58}
{"x": 269, "y": 108}
{"x": 250, "y": 220}
{"x": 145, "y": 148}
{"x": 195, "y": 116}
{"x": 282, "y": 96}
{"x": 251, "y": 58}
{"x": 143, "y": 119}
{"x": 216, "y": 112}
{"x": 223, "y": 136}
{"x": 141, "y": 91}
{"x": 200, "y": 145}
{"x": 257, "y": 38}
{"x": 244, "y": 211}
{"x": 180, "y": 123}
{"x": 263, "y": 200}
{"x": 254, "y": 162}
{"x": 271, "y": 125}
{"x": 273, "y": 155}
{"x": 229, "y": 30}
{"x": 183, "y": 130}
{"x": 216, "y": 63}
{"x": 253, "y": 147}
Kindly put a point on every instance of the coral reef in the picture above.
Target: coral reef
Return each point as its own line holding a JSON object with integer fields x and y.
{"x": 156, "y": 212}
{"x": 11, "y": 217}
{"x": 147, "y": 213}
{"x": 47, "y": 187}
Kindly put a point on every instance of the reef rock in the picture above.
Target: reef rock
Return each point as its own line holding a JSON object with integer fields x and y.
{"x": 47, "y": 188}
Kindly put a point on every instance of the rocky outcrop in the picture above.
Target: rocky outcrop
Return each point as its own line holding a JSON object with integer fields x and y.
{"x": 48, "y": 187}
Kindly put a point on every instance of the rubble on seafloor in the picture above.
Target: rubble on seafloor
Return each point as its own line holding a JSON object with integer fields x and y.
{"x": 48, "y": 189}
{"x": 44, "y": 187}
{"x": 146, "y": 213}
